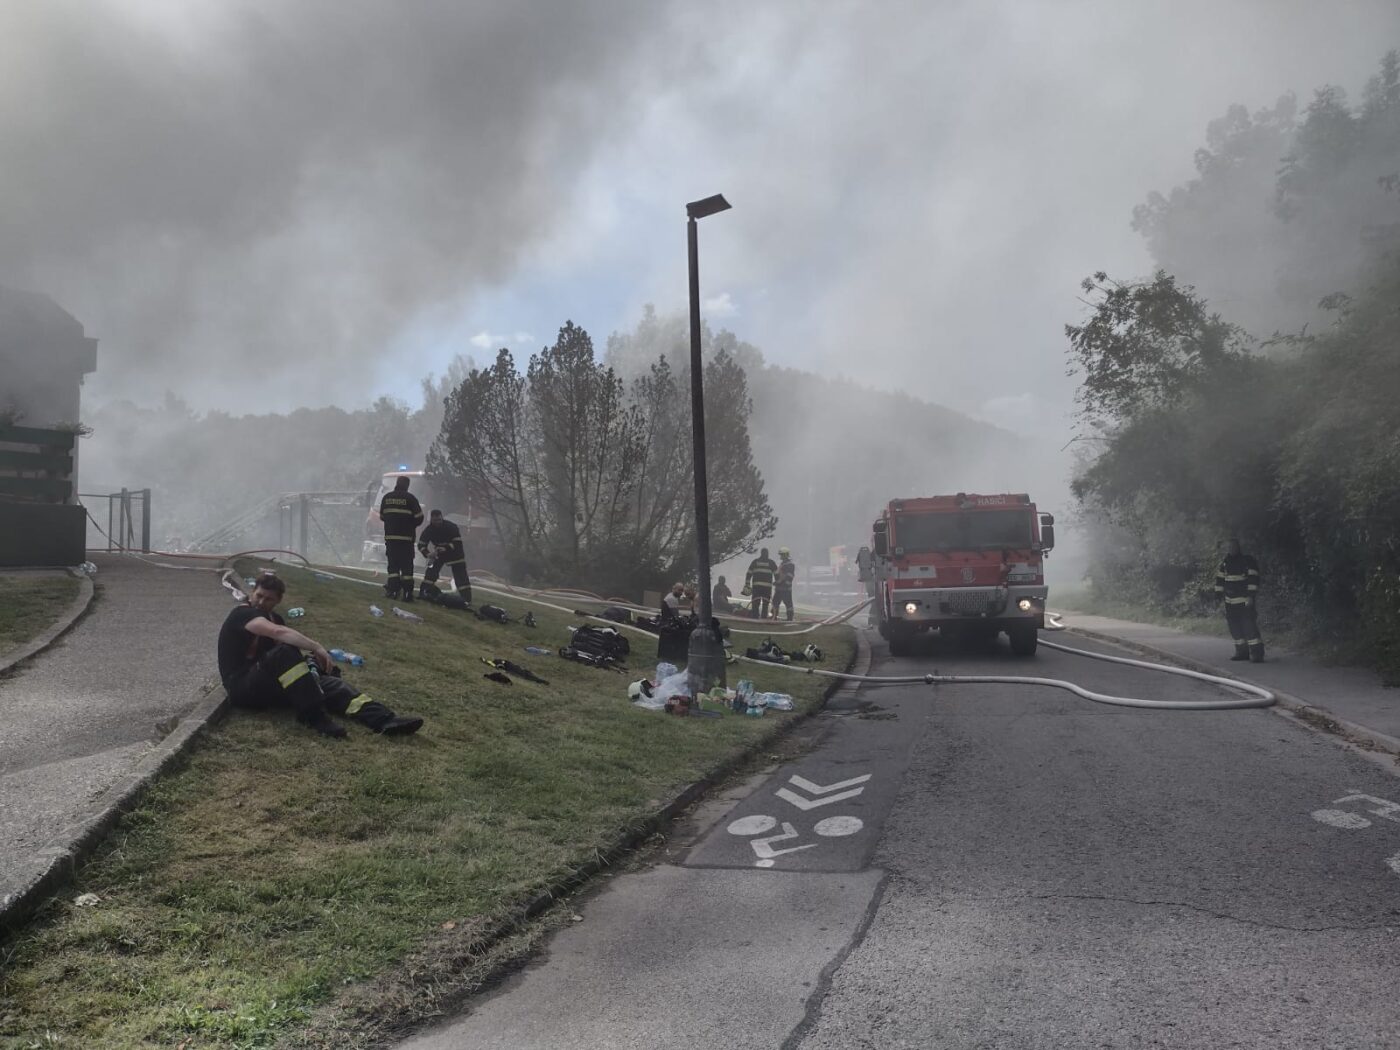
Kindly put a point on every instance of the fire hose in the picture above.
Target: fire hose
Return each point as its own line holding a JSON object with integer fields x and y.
{"x": 1255, "y": 696}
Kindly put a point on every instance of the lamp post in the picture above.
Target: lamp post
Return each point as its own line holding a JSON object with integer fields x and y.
{"x": 705, "y": 663}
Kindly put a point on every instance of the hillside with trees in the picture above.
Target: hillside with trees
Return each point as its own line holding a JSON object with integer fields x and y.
{"x": 1250, "y": 386}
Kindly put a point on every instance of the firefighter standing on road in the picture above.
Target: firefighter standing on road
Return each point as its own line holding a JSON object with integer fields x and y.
{"x": 759, "y": 583}
{"x": 441, "y": 544}
{"x": 787, "y": 572}
{"x": 1237, "y": 582}
{"x": 401, "y": 514}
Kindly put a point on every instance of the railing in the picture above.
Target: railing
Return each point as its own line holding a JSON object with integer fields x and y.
{"x": 121, "y": 531}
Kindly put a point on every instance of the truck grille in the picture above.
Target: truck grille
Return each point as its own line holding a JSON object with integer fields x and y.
{"x": 972, "y": 601}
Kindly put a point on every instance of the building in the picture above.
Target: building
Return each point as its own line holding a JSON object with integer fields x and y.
{"x": 44, "y": 355}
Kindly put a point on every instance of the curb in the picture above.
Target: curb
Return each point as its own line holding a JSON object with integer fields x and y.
{"x": 55, "y": 865}
{"x": 71, "y": 615}
{"x": 628, "y": 841}
{"x": 1295, "y": 706}
{"x": 681, "y": 801}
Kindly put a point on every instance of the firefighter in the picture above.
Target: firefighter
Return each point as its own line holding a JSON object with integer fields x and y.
{"x": 720, "y": 597}
{"x": 401, "y": 514}
{"x": 787, "y": 572}
{"x": 441, "y": 544}
{"x": 262, "y": 666}
{"x": 1237, "y": 582}
{"x": 758, "y": 583}
{"x": 671, "y": 603}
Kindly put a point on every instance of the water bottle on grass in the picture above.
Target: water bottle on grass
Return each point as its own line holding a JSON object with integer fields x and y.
{"x": 376, "y": 611}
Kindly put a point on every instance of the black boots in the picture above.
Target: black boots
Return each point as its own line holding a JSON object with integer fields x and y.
{"x": 382, "y": 720}
{"x": 1241, "y": 653}
{"x": 1256, "y": 653}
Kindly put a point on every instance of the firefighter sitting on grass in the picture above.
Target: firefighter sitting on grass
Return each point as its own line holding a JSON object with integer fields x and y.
{"x": 262, "y": 667}
{"x": 441, "y": 544}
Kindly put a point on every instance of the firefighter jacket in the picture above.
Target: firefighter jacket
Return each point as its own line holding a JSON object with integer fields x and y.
{"x": 401, "y": 514}
{"x": 1237, "y": 579}
{"x": 448, "y": 536}
{"x": 761, "y": 574}
{"x": 787, "y": 572}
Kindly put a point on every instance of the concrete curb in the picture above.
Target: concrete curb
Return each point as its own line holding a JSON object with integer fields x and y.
{"x": 1295, "y": 706}
{"x": 71, "y": 615}
{"x": 55, "y": 864}
{"x": 686, "y": 797}
{"x": 632, "y": 837}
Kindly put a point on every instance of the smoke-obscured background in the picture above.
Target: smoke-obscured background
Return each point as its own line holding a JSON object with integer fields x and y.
{"x": 258, "y": 207}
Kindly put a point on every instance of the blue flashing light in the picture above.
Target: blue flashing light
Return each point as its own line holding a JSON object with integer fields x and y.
{"x": 403, "y": 466}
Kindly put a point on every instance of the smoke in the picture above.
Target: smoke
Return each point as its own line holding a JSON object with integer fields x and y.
{"x": 256, "y": 196}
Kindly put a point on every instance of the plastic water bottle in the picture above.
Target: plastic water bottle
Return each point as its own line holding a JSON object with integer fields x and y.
{"x": 323, "y": 576}
{"x": 88, "y": 568}
{"x": 296, "y": 614}
{"x": 536, "y": 650}
{"x": 376, "y": 611}
{"x": 404, "y": 615}
{"x": 338, "y": 655}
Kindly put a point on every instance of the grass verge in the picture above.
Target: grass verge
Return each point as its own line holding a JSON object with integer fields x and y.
{"x": 267, "y": 889}
{"x": 31, "y": 603}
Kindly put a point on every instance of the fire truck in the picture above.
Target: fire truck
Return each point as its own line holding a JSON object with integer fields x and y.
{"x": 969, "y": 565}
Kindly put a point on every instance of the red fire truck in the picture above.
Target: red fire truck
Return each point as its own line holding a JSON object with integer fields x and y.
{"x": 968, "y": 564}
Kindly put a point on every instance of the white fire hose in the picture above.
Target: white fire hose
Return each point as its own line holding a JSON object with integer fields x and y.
{"x": 1255, "y": 696}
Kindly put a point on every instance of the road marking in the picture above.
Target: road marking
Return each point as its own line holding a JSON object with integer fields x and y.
{"x": 754, "y": 825}
{"x": 833, "y": 827}
{"x": 767, "y": 853}
{"x": 818, "y": 789}
{"x": 1340, "y": 818}
{"x": 1383, "y": 808}
{"x": 823, "y": 790}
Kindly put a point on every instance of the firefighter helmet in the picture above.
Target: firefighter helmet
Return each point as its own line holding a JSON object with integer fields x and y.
{"x": 783, "y": 552}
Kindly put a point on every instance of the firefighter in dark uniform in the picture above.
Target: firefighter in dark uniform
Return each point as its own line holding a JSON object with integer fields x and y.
{"x": 441, "y": 544}
{"x": 758, "y": 583}
{"x": 401, "y": 514}
{"x": 262, "y": 666}
{"x": 787, "y": 572}
{"x": 1237, "y": 582}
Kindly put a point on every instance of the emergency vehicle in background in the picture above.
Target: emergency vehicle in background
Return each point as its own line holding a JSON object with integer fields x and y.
{"x": 969, "y": 564}
{"x": 478, "y": 537}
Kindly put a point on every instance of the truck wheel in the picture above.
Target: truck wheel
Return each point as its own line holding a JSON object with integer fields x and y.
{"x": 901, "y": 641}
{"x": 1023, "y": 640}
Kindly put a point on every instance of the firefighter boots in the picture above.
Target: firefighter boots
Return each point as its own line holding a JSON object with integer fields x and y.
{"x": 1241, "y": 652}
{"x": 1256, "y": 653}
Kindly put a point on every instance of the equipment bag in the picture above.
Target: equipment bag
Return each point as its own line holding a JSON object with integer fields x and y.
{"x": 601, "y": 641}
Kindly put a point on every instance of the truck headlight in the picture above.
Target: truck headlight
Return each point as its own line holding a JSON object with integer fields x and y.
{"x": 910, "y": 608}
{"x": 1024, "y": 605}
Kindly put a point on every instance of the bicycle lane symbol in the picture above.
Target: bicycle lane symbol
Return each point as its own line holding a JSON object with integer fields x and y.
{"x": 761, "y": 823}
{"x": 1349, "y": 821}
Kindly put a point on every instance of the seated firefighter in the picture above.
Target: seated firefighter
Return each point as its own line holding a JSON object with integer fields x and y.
{"x": 262, "y": 666}
{"x": 441, "y": 543}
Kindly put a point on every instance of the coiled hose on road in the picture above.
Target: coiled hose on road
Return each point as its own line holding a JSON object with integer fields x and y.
{"x": 1255, "y": 696}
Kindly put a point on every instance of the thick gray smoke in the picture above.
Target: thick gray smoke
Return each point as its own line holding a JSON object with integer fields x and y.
{"x": 276, "y": 186}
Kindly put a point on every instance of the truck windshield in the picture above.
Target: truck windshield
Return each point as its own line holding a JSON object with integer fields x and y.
{"x": 962, "y": 530}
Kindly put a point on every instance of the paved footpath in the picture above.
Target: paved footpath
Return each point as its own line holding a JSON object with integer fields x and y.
{"x": 1349, "y": 694}
{"x": 79, "y": 717}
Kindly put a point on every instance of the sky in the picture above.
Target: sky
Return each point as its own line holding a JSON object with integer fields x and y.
{"x": 262, "y": 204}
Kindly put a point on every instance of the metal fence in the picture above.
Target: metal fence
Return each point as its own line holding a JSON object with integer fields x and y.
{"x": 127, "y": 515}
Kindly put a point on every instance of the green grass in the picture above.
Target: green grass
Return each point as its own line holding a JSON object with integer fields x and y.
{"x": 280, "y": 878}
{"x": 30, "y": 604}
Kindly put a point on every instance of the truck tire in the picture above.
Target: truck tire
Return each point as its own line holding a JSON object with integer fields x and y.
{"x": 1023, "y": 640}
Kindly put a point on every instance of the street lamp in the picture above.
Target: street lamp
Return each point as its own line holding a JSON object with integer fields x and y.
{"x": 705, "y": 663}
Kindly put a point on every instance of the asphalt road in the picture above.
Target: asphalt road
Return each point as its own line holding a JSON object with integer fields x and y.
{"x": 999, "y": 866}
